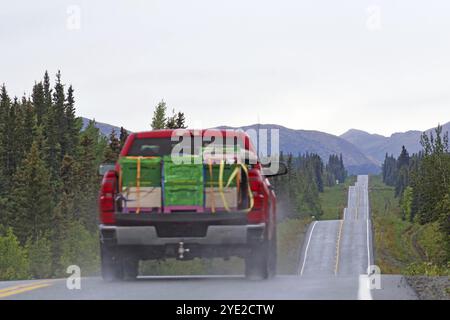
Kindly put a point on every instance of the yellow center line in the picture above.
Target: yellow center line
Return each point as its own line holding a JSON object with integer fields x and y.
{"x": 22, "y": 286}
{"x": 338, "y": 244}
{"x": 9, "y": 291}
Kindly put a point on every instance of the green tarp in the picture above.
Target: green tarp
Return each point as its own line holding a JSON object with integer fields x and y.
{"x": 183, "y": 182}
{"x": 150, "y": 171}
{"x": 183, "y": 195}
{"x": 187, "y": 173}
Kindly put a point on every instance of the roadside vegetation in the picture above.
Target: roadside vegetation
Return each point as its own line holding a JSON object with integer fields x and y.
{"x": 411, "y": 210}
{"x": 393, "y": 236}
{"x": 334, "y": 199}
{"x": 402, "y": 246}
{"x": 49, "y": 181}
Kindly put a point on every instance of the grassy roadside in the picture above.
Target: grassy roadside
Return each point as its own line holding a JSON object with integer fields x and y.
{"x": 334, "y": 199}
{"x": 394, "y": 249}
{"x": 291, "y": 233}
{"x": 401, "y": 246}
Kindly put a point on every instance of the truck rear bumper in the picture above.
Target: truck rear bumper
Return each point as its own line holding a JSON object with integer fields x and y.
{"x": 215, "y": 235}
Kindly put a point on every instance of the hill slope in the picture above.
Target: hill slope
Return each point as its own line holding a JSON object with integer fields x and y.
{"x": 104, "y": 128}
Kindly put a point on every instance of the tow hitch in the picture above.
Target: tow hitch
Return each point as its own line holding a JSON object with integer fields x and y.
{"x": 182, "y": 250}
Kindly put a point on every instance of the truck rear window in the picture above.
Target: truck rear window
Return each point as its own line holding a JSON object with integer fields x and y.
{"x": 148, "y": 147}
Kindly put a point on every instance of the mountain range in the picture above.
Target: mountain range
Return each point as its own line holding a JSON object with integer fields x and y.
{"x": 362, "y": 152}
{"x": 324, "y": 144}
{"x": 104, "y": 128}
{"x": 375, "y": 146}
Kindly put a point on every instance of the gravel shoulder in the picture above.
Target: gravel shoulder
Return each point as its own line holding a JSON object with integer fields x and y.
{"x": 430, "y": 288}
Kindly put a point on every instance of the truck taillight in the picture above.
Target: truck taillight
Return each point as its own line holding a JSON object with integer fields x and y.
{"x": 257, "y": 214}
{"x": 106, "y": 198}
{"x": 258, "y": 195}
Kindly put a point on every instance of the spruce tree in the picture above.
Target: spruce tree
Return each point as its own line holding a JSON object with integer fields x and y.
{"x": 52, "y": 147}
{"x": 30, "y": 199}
{"x": 5, "y": 105}
{"x": 99, "y": 141}
{"x": 431, "y": 182}
{"x": 73, "y": 124}
{"x": 123, "y": 137}
{"x": 51, "y": 129}
{"x": 180, "y": 121}
{"x": 66, "y": 210}
{"x": 87, "y": 180}
{"x": 389, "y": 170}
{"x": 176, "y": 121}
{"x": 29, "y": 124}
{"x": 402, "y": 172}
{"x": 47, "y": 90}
{"x": 59, "y": 114}
{"x": 12, "y": 148}
{"x": 171, "y": 121}
{"x": 159, "y": 116}
{"x": 113, "y": 150}
{"x": 39, "y": 102}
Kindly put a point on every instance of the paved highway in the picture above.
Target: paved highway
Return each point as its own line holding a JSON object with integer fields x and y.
{"x": 334, "y": 263}
{"x": 341, "y": 247}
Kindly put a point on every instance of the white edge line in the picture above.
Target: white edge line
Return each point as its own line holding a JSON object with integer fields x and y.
{"x": 367, "y": 227}
{"x": 364, "y": 292}
{"x": 368, "y": 246}
{"x": 364, "y": 288}
{"x": 307, "y": 247}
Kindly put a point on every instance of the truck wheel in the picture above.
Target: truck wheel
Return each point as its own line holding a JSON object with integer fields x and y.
{"x": 260, "y": 263}
{"x": 112, "y": 268}
{"x": 130, "y": 268}
{"x": 273, "y": 256}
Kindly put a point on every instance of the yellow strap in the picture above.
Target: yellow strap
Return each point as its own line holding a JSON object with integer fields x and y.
{"x": 222, "y": 195}
{"x": 213, "y": 200}
{"x": 250, "y": 193}
{"x": 238, "y": 186}
{"x": 230, "y": 179}
{"x": 232, "y": 175}
{"x": 140, "y": 157}
{"x": 120, "y": 180}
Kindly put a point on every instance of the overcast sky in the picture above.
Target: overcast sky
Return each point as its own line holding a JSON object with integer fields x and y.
{"x": 380, "y": 66}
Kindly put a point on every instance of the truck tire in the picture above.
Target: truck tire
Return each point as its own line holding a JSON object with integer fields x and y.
{"x": 130, "y": 268}
{"x": 111, "y": 265}
{"x": 273, "y": 256}
{"x": 260, "y": 263}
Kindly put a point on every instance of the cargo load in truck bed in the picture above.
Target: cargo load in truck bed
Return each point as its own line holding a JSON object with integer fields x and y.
{"x": 140, "y": 171}
{"x": 183, "y": 183}
{"x": 140, "y": 184}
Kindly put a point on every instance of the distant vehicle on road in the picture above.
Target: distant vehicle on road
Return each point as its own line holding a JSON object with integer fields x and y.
{"x": 213, "y": 200}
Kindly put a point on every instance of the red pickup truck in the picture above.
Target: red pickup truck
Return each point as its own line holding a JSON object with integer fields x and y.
{"x": 127, "y": 237}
